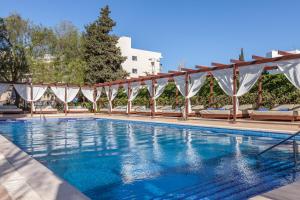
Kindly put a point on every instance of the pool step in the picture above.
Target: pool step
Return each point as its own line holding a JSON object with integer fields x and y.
{"x": 269, "y": 174}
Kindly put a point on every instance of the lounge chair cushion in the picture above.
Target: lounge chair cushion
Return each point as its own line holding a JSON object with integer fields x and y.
{"x": 274, "y": 112}
{"x": 283, "y": 107}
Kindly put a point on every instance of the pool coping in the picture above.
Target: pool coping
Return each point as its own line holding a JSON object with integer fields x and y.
{"x": 23, "y": 177}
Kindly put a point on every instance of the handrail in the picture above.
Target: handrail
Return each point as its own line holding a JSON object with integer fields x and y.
{"x": 279, "y": 143}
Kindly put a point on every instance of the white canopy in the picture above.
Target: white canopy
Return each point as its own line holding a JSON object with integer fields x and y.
{"x": 3, "y": 87}
{"x": 195, "y": 82}
{"x": 24, "y": 90}
{"x": 59, "y": 92}
{"x": 291, "y": 69}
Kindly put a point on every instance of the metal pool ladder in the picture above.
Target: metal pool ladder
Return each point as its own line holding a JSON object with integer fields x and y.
{"x": 295, "y": 147}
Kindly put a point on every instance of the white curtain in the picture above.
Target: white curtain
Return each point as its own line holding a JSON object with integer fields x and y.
{"x": 224, "y": 78}
{"x": 24, "y": 91}
{"x": 180, "y": 84}
{"x": 197, "y": 80}
{"x": 248, "y": 76}
{"x": 71, "y": 93}
{"x": 135, "y": 87}
{"x": 106, "y": 88}
{"x": 149, "y": 86}
{"x": 38, "y": 91}
{"x": 59, "y": 92}
{"x": 291, "y": 69}
{"x": 3, "y": 87}
{"x": 113, "y": 93}
{"x": 125, "y": 86}
{"x": 161, "y": 84}
{"x": 99, "y": 92}
{"x": 88, "y": 93}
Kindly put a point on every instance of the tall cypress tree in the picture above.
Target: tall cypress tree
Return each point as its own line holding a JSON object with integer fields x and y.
{"x": 241, "y": 56}
{"x": 102, "y": 56}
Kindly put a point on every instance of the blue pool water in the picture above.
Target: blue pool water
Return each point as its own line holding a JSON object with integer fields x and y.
{"x": 113, "y": 159}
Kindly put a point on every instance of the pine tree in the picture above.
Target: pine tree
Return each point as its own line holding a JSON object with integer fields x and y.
{"x": 241, "y": 56}
{"x": 102, "y": 56}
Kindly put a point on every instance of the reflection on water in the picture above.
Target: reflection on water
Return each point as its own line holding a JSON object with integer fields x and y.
{"x": 111, "y": 159}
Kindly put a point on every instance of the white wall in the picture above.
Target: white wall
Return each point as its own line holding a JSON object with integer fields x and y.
{"x": 144, "y": 59}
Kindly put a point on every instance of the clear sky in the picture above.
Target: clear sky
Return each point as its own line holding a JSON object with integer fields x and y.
{"x": 187, "y": 31}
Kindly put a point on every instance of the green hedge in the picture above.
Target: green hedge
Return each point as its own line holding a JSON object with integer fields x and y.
{"x": 276, "y": 90}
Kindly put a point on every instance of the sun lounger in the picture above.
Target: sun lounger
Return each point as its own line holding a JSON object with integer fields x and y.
{"x": 169, "y": 111}
{"x": 285, "y": 112}
{"x": 44, "y": 110}
{"x": 196, "y": 110}
{"x": 10, "y": 109}
{"x": 226, "y": 112}
{"x": 77, "y": 109}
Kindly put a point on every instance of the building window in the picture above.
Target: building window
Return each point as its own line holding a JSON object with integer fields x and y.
{"x": 134, "y": 58}
{"x": 134, "y": 70}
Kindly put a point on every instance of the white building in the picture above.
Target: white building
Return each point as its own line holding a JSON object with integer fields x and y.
{"x": 139, "y": 62}
{"x": 274, "y": 53}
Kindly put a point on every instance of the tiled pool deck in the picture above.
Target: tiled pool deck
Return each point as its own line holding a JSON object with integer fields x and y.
{"x": 22, "y": 177}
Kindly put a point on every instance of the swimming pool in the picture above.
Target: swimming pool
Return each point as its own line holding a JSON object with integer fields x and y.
{"x": 114, "y": 159}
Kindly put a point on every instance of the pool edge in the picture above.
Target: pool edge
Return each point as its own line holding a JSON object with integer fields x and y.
{"x": 25, "y": 172}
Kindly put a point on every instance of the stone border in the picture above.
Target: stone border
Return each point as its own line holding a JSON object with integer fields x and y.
{"x": 25, "y": 178}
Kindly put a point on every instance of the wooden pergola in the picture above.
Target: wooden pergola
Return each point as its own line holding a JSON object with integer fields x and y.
{"x": 186, "y": 72}
{"x": 235, "y": 64}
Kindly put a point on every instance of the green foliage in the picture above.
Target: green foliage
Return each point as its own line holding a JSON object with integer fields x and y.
{"x": 13, "y": 61}
{"x": 101, "y": 54}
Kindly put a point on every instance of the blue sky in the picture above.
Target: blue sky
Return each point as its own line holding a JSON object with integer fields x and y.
{"x": 188, "y": 31}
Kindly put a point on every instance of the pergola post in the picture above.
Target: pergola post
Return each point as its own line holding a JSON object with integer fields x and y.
{"x": 176, "y": 96}
{"x": 94, "y": 99}
{"x": 31, "y": 99}
{"x": 109, "y": 100}
{"x": 234, "y": 92}
{"x": 259, "y": 100}
{"x": 211, "y": 90}
{"x": 66, "y": 103}
{"x": 129, "y": 102}
{"x": 186, "y": 96}
{"x": 152, "y": 101}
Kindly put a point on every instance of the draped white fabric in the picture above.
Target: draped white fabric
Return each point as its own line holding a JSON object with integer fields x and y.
{"x": 88, "y": 93}
{"x": 106, "y": 88}
{"x": 135, "y": 87}
{"x": 125, "y": 86}
{"x": 114, "y": 91}
{"x": 59, "y": 92}
{"x": 3, "y": 87}
{"x": 224, "y": 78}
{"x": 180, "y": 84}
{"x": 38, "y": 91}
{"x": 24, "y": 90}
{"x": 161, "y": 84}
{"x": 99, "y": 92}
{"x": 71, "y": 93}
{"x": 196, "y": 82}
{"x": 149, "y": 86}
{"x": 248, "y": 76}
{"x": 291, "y": 69}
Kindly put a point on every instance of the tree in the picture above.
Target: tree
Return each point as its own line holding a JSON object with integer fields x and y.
{"x": 241, "y": 56}
{"x": 101, "y": 54}
{"x": 13, "y": 59}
